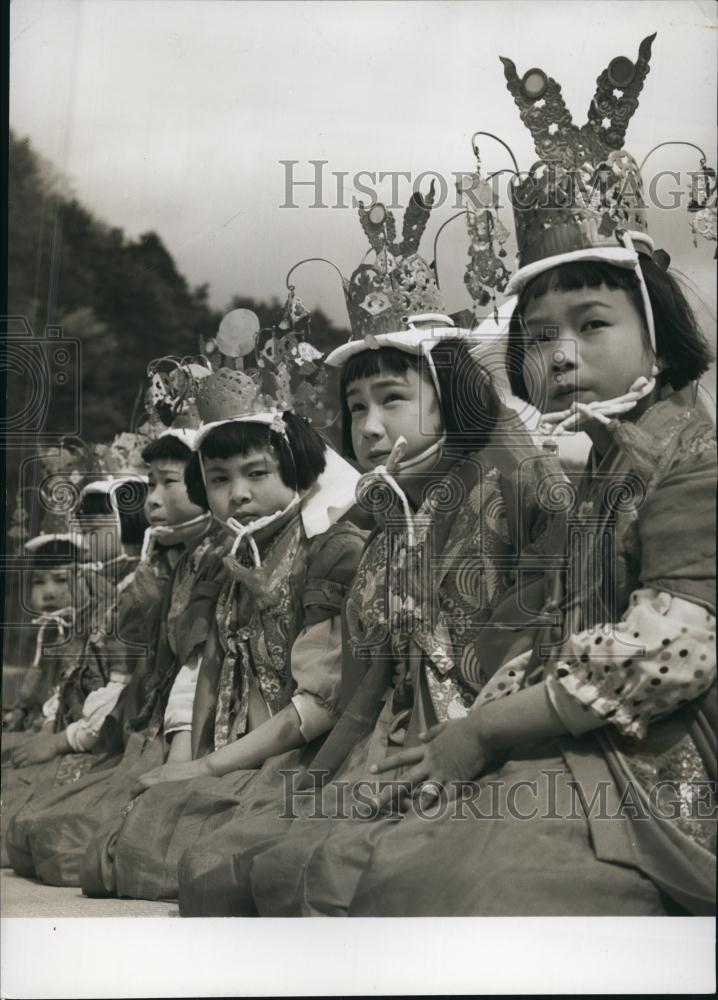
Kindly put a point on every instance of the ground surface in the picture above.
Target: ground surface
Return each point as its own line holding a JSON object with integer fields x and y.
{"x": 21, "y": 897}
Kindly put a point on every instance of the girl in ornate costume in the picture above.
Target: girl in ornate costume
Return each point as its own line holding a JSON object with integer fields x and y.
{"x": 63, "y": 589}
{"x": 268, "y": 685}
{"x": 595, "y": 752}
{"x": 75, "y": 593}
{"x": 453, "y": 493}
{"x": 139, "y": 651}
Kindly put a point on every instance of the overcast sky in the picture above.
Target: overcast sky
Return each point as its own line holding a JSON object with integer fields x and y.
{"x": 174, "y": 116}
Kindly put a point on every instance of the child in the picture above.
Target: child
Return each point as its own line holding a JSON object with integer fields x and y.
{"x": 418, "y": 410}
{"x": 63, "y": 591}
{"x": 49, "y": 838}
{"x": 612, "y": 737}
{"x": 68, "y": 596}
{"x": 269, "y": 681}
{"x": 121, "y": 532}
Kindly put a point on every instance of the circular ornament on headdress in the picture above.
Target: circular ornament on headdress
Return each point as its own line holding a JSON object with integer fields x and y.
{"x": 621, "y": 71}
{"x": 377, "y": 214}
{"x": 534, "y": 83}
{"x": 237, "y": 333}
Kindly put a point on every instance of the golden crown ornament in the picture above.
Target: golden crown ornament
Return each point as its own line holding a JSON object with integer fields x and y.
{"x": 270, "y": 371}
{"x": 584, "y": 194}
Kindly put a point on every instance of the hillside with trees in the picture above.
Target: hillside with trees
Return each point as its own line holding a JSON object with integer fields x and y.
{"x": 122, "y": 298}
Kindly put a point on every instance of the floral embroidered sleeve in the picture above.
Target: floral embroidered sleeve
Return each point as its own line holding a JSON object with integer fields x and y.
{"x": 317, "y": 651}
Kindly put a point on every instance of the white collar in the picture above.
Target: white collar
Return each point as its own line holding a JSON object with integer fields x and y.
{"x": 331, "y": 496}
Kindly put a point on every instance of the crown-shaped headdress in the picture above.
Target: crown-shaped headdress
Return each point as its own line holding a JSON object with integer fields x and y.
{"x": 395, "y": 299}
{"x": 171, "y": 399}
{"x": 260, "y": 374}
{"x": 398, "y": 283}
{"x": 585, "y": 192}
{"x": 583, "y": 198}
{"x": 585, "y": 186}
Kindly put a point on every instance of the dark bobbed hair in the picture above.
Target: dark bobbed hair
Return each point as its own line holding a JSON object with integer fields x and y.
{"x": 54, "y": 554}
{"x": 167, "y": 448}
{"x": 130, "y": 497}
{"x": 301, "y": 454}
{"x": 469, "y": 402}
{"x": 679, "y": 341}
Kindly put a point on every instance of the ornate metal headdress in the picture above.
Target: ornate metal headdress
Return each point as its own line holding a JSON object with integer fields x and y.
{"x": 262, "y": 373}
{"x": 585, "y": 192}
{"x": 381, "y": 295}
{"x": 395, "y": 299}
{"x": 585, "y": 185}
{"x": 583, "y": 197}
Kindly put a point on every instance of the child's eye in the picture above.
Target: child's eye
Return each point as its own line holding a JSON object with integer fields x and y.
{"x": 258, "y": 474}
{"x": 543, "y": 337}
{"x": 393, "y": 397}
{"x": 593, "y": 324}
{"x": 356, "y": 408}
{"x": 217, "y": 480}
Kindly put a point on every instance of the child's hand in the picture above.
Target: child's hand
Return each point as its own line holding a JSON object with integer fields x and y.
{"x": 257, "y": 580}
{"x": 40, "y": 749}
{"x": 145, "y": 587}
{"x": 450, "y": 752}
{"x": 373, "y": 493}
{"x": 180, "y": 771}
{"x": 579, "y": 415}
{"x": 396, "y": 455}
{"x": 13, "y": 720}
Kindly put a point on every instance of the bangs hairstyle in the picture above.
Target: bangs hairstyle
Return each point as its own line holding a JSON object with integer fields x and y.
{"x": 167, "y": 448}
{"x": 679, "y": 342}
{"x": 300, "y": 455}
{"x": 469, "y": 402}
{"x": 130, "y": 497}
{"x": 57, "y": 554}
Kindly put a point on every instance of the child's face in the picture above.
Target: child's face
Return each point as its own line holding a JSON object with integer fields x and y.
{"x": 102, "y": 537}
{"x": 52, "y": 590}
{"x": 583, "y": 345}
{"x": 389, "y": 405}
{"x": 245, "y": 487}
{"x": 167, "y": 501}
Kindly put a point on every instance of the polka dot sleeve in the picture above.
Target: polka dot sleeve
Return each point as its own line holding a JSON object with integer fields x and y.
{"x": 659, "y": 656}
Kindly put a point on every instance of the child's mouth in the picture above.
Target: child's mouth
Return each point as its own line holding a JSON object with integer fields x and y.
{"x": 569, "y": 390}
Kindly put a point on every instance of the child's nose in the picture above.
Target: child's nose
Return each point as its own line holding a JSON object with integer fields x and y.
{"x": 563, "y": 355}
{"x": 240, "y": 491}
{"x": 373, "y": 424}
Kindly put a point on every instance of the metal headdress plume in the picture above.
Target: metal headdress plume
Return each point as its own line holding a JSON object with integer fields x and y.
{"x": 394, "y": 299}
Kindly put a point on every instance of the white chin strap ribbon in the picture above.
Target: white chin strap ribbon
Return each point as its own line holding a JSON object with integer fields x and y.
{"x": 172, "y": 534}
{"x": 243, "y": 531}
{"x": 61, "y": 619}
{"x": 383, "y": 473}
{"x": 625, "y": 237}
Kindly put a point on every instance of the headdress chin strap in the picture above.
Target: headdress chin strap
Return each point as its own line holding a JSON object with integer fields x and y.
{"x": 243, "y": 531}
{"x": 433, "y": 449}
{"x": 383, "y": 473}
{"x": 61, "y": 619}
{"x": 173, "y": 534}
{"x": 625, "y": 237}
